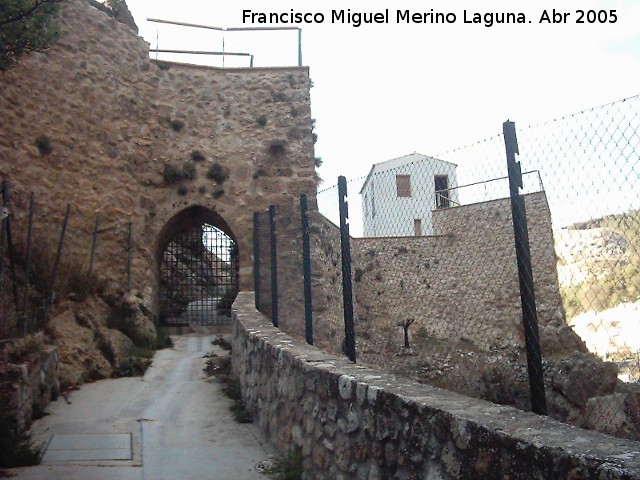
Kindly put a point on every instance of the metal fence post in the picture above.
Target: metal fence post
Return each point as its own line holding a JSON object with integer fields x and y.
{"x": 306, "y": 269}
{"x": 93, "y": 246}
{"x": 525, "y": 273}
{"x": 6, "y": 231}
{"x": 12, "y": 264}
{"x": 274, "y": 266}
{"x": 3, "y": 229}
{"x": 54, "y": 273}
{"x": 256, "y": 258}
{"x": 347, "y": 288}
{"x": 129, "y": 259}
{"x": 27, "y": 269}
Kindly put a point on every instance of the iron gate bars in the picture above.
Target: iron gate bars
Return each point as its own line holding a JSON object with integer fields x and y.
{"x": 199, "y": 277}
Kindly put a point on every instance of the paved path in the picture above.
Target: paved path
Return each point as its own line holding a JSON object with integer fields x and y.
{"x": 173, "y": 424}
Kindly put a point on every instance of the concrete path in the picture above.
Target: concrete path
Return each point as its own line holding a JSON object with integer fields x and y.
{"x": 173, "y": 424}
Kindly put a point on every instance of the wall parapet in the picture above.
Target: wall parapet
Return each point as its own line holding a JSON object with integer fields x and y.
{"x": 355, "y": 422}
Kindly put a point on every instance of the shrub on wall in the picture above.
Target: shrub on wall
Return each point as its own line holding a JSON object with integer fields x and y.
{"x": 197, "y": 155}
{"x": 218, "y": 173}
{"x": 177, "y": 125}
{"x": 277, "y": 148}
{"x": 260, "y": 172}
{"x": 189, "y": 171}
{"x": 44, "y": 145}
{"x": 171, "y": 174}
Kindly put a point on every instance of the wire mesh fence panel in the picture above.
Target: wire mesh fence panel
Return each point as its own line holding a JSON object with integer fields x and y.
{"x": 290, "y": 286}
{"x": 328, "y": 204}
{"x": 590, "y": 165}
{"x": 437, "y": 294}
{"x": 437, "y": 288}
{"x": 44, "y": 268}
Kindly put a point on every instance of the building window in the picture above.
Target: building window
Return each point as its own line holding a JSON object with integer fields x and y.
{"x": 366, "y": 205}
{"x": 442, "y": 191}
{"x": 417, "y": 227}
{"x": 373, "y": 206}
{"x": 403, "y": 185}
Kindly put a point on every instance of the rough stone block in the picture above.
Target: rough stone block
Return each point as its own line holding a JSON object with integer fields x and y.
{"x": 345, "y": 385}
{"x": 617, "y": 414}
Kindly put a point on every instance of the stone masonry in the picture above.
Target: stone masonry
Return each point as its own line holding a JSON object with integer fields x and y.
{"x": 461, "y": 288}
{"x": 351, "y": 422}
{"x": 114, "y": 120}
{"x": 29, "y": 383}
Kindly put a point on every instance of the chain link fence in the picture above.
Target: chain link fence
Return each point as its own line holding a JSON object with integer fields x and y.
{"x": 39, "y": 267}
{"x": 543, "y": 316}
{"x": 50, "y": 257}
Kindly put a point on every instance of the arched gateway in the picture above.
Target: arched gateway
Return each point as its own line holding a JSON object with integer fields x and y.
{"x": 197, "y": 255}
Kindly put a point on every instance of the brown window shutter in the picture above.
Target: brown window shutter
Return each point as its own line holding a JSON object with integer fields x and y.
{"x": 403, "y": 185}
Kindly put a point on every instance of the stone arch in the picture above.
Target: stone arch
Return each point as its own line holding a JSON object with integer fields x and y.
{"x": 197, "y": 268}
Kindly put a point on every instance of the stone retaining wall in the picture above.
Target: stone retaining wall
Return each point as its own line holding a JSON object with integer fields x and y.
{"x": 27, "y": 387}
{"x": 356, "y": 423}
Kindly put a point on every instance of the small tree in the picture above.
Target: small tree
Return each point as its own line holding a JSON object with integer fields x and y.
{"x": 26, "y": 26}
{"x": 405, "y": 326}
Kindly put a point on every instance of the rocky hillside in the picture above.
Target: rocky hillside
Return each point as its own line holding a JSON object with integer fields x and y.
{"x": 599, "y": 263}
{"x": 588, "y": 255}
{"x": 599, "y": 273}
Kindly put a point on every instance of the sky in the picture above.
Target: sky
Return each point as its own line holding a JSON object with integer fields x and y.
{"x": 385, "y": 90}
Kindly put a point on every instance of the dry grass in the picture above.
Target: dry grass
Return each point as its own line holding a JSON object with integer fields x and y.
{"x": 72, "y": 276}
{"x": 72, "y": 282}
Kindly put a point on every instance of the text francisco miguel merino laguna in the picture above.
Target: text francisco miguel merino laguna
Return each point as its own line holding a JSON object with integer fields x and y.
{"x": 356, "y": 19}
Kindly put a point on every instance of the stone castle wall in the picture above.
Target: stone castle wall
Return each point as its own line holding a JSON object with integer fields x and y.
{"x": 114, "y": 120}
{"x": 461, "y": 284}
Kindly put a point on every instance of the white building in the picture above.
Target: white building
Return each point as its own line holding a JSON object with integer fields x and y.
{"x": 399, "y": 195}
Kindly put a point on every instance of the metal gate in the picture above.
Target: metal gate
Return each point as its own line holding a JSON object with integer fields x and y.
{"x": 198, "y": 277}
